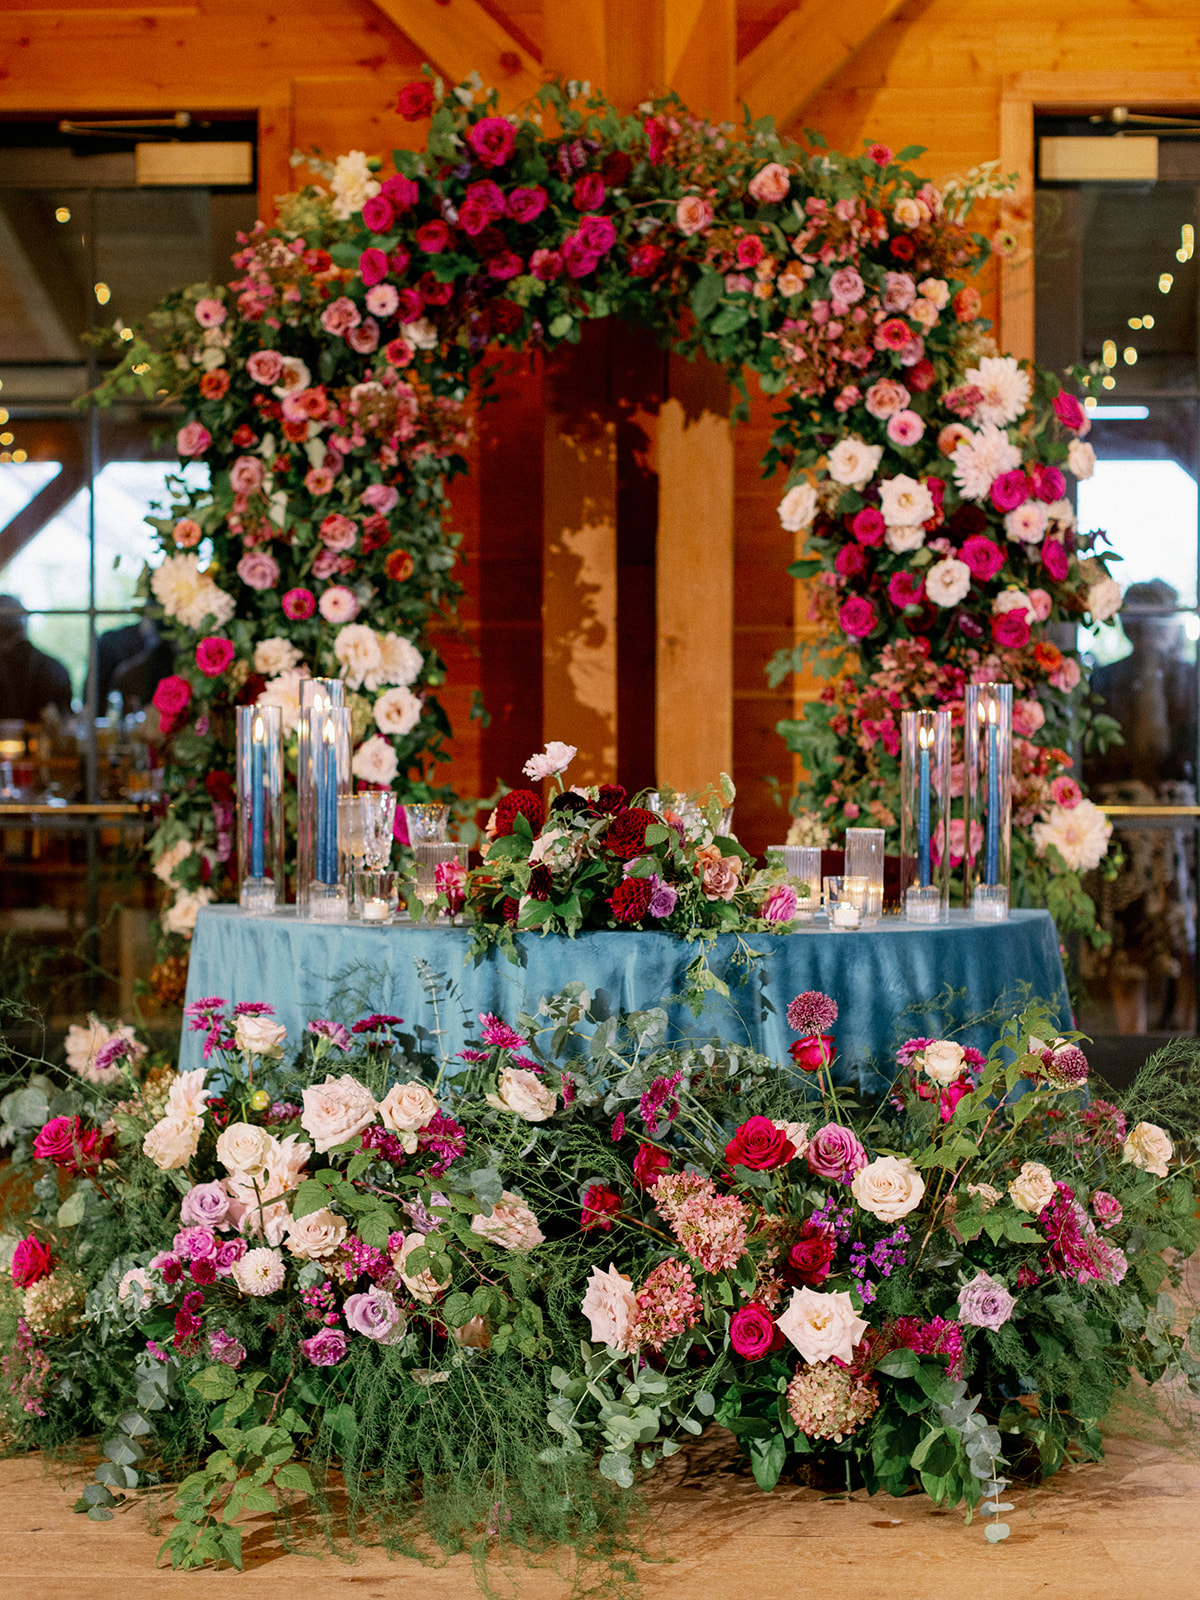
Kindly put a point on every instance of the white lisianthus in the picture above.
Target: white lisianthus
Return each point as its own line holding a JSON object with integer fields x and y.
{"x": 853, "y": 463}
{"x": 1081, "y": 458}
{"x": 948, "y": 581}
{"x": 357, "y": 648}
{"x": 375, "y": 761}
{"x": 798, "y": 507}
{"x": 284, "y": 692}
{"x": 352, "y": 183}
{"x": 904, "y": 501}
{"x": 902, "y": 539}
{"x": 1080, "y": 835}
{"x": 1006, "y": 389}
{"x": 980, "y": 460}
{"x": 397, "y": 711}
{"x": 400, "y": 662}
{"x": 180, "y": 915}
{"x": 187, "y": 594}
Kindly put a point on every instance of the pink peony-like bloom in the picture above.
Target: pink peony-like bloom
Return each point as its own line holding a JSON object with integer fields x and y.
{"x": 338, "y": 604}
{"x": 373, "y": 266}
{"x": 1069, "y": 412}
{"x": 246, "y": 475}
{"x": 847, "y": 286}
{"x": 258, "y": 570}
{"x": 493, "y": 140}
{"x": 526, "y": 205}
{"x": 298, "y": 604}
{"x": 984, "y": 557}
{"x": 1010, "y": 490}
{"x": 857, "y": 617}
{"x": 752, "y": 1332}
{"x": 905, "y": 589}
{"x": 779, "y": 904}
{"x": 213, "y": 655}
{"x": 31, "y": 1261}
{"x": 693, "y": 215}
{"x": 868, "y": 526}
{"x": 172, "y": 695}
{"x": 325, "y": 1349}
{"x": 265, "y": 366}
{"x": 905, "y": 428}
{"x": 886, "y": 398}
{"x": 193, "y": 439}
{"x": 770, "y": 184}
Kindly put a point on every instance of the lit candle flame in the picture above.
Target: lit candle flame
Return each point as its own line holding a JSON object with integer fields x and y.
{"x": 327, "y": 733}
{"x": 259, "y": 731}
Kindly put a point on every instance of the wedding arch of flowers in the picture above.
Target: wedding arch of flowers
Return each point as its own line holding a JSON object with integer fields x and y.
{"x": 326, "y": 390}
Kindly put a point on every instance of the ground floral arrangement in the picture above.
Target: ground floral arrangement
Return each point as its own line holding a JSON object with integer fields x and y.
{"x": 480, "y": 1300}
{"x": 326, "y": 394}
{"x": 595, "y": 858}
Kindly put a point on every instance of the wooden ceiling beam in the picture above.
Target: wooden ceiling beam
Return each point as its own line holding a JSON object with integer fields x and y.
{"x": 459, "y": 37}
{"x": 803, "y": 52}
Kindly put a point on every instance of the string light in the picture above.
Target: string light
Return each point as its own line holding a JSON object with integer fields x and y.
{"x": 103, "y": 293}
{"x": 1135, "y": 322}
{"x": 20, "y": 455}
{"x": 6, "y": 438}
{"x": 1147, "y": 322}
{"x": 1188, "y": 235}
{"x": 1130, "y": 355}
{"x": 1165, "y": 281}
{"x": 3, "y": 415}
{"x": 63, "y": 214}
{"x": 1108, "y": 353}
{"x": 1109, "y": 383}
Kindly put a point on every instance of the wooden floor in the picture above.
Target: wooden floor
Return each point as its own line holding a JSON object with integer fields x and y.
{"x": 1125, "y": 1530}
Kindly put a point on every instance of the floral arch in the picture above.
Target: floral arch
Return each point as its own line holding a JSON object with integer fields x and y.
{"x": 327, "y": 387}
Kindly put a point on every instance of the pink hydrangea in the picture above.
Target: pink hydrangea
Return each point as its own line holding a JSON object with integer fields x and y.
{"x": 711, "y": 1227}
{"x": 667, "y": 1305}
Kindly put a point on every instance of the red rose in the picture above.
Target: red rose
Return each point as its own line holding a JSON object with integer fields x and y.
{"x": 399, "y": 192}
{"x": 415, "y": 100}
{"x": 589, "y": 192}
{"x": 983, "y": 557}
{"x": 626, "y": 836}
{"x": 530, "y": 805}
{"x": 644, "y": 260}
{"x": 506, "y": 265}
{"x": 920, "y": 375}
{"x": 473, "y": 218}
{"x": 220, "y": 791}
{"x": 31, "y": 1261}
{"x": 64, "y": 1142}
{"x": 434, "y": 237}
{"x": 752, "y": 1332}
{"x": 631, "y": 899}
{"x": 597, "y": 234}
{"x": 615, "y": 169}
{"x": 649, "y": 1165}
{"x": 857, "y": 617}
{"x": 525, "y": 205}
{"x": 433, "y": 292}
{"x": 412, "y": 303}
{"x": 377, "y": 214}
{"x": 868, "y": 526}
{"x": 903, "y": 248}
{"x": 750, "y": 251}
{"x": 600, "y": 1205}
{"x": 506, "y": 316}
{"x": 1010, "y": 630}
{"x": 759, "y": 1145}
{"x": 809, "y": 1259}
{"x": 172, "y": 695}
{"x": 811, "y": 1054}
{"x": 213, "y": 656}
{"x": 244, "y": 437}
{"x": 610, "y": 798}
{"x": 493, "y": 140}
{"x": 373, "y": 266}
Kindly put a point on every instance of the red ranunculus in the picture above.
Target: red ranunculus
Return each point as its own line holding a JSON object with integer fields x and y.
{"x": 415, "y": 100}
{"x": 493, "y": 140}
{"x": 244, "y": 436}
{"x": 600, "y": 1205}
{"x": 525, "y": 801}
{"x": 809, "y": 1259}
{"x": 759, "y": 1145}
{"x": 615, "y": 169}
{"x": 649, "y": 1165}
{"x": 473, "y": 218}
{"x": 750, "y": 250}
{"x": 433, "y": 292}
{"x": 506, "y": 265}
{"x": 213, "y": 655}
{"x": 626, "y": 836}
{"x": 506, "y": 316}
{"x": 31, "y": 1261}
{"x": 811, "y": 1054}
{"x": 214, "y": 385}
{"x": 171, "y": 695}
{"x": 644, "y": 260}
{"x": 412, "y": 303}
{"x": 598, "y": 234}
{"x": 752, "y": 1332}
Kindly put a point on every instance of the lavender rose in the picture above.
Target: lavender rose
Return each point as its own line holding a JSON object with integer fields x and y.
{"x": 375, "y": 1315}
{"x": 834, "y": 1152}
{"x": 205, "y": 1205}
{"x": 984, "y": 1303}
{"x": 327, "y": 1348}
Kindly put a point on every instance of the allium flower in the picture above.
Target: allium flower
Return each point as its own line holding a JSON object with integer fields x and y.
{"x": 826, "y": 1401}
{"x": 812, "y": 1012}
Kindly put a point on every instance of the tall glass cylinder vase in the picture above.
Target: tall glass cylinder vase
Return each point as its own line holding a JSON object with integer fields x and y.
{"x": 988, "y": 792}
{"x": 319, "y": 850}
{"x": 316, "y": 694}
{"x": 864, "y": 862}
{"x": 925, "y": 816}
{"x": 260, "y": 808}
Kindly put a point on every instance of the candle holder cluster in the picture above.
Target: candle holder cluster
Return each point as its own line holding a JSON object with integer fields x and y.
{"x": 322, "y": 779}
{"x": 925, "y": 815}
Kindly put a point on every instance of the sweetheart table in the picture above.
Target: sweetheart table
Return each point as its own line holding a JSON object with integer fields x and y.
{"x": 890, "y": 981}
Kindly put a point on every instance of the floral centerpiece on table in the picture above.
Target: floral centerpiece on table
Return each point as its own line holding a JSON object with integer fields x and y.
{"x": 597, "y": 859}
{"x": 944, "y": 551}
{"x": 369, "y": 1258}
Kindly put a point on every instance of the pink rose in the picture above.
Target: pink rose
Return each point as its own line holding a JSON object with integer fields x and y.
{"x": 1010, "y": 490}
{"x": 265, "y": 366}
{"x": 752, "y": 1332}
{"x": 905, "y": 589}
{"x": 373, "y": 266}
{"x": 847, "y": 286}
{"x": 1040, "y": 604}
{"x": 336, "y": 1111}
{"x": 1055, "y": 560}
{"x": 857, "y": 617}
{"x": 298, "y": 604}
{"x": 546, "y": 265}
{"x": 493, "y": 139}
{"x": 31, "y": 1261}
{"x": 377, "y": 214}
{"x": 780, "y": 904}
{"x": 172, "y": 695}
{"x": 340, "y": 315}
{"x": 434, "y": 237}
{"x": 770, "y": 184}
{"x": 526, "y": 205}
{"x": 338, "y": 532}
{"x": 213, "y": 655}
{"x": 246, "y": 475}
{"x": 1069, "y": 412}
{"x": 834, "y": 1152}
{"x": 326, "y": 564}
{"x": 381, "y": 497}
{"x": 1010, "y": 630}
{"x": 868, "y": 526}
{"x": 193, "y": 439}
{"x": 400, "y": 192}
{"x": 720, "y": 873}
{"x": 258, "y": 570}
{"x": 899, "y": 291}
{"x": 983, "y": 557}
{"x": 693, "y": 215}
{"x": 886, "y": 397}
{"x": 338, "y": 604}
{"x": 905, "y": 428}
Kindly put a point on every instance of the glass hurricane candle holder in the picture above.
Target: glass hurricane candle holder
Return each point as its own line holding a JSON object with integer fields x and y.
{"x": 260, "y": 808}
{"x": 316, "y": 694}
{"x": 319, "y": 848}
{"x": 925, "y": 815}
{"x": 847, "y": 902}
{"x": 987, "y": 788}
{"x": 802, "y": 862}
{"x": 426, "y": 824}
{"x": 377, "y": 895}
{"x": 430, "y": 855}
{"x": 864, "y": 859}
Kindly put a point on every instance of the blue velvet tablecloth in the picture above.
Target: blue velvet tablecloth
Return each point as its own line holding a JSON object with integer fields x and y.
{"x": 891, "y": 982}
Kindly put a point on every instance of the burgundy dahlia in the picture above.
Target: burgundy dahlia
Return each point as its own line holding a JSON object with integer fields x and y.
{"x": 626, "y": 836}
{"x": 522, "y": 801}
{"x": 631, "y": 899}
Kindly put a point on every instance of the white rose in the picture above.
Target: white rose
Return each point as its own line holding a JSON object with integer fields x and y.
{"x": 888, "y": 1187}
{"x": 172, "y": 1142}
{"x": 1104, "y": 599}
{"x": 397, "y": 711}
{"x": 512, "y": 1225}
{"x": 336, "y": 1111}
{"x": 797, "y": 1134}
{"x": 164, "y": 867}
{"x": 798, "y": 507}
{"x": 259, "y": 1036}
{"x": 421, "y": 334}
{"x": 272, "y": 657}
{"x": 524, "y": 1094}
{"x": 1081, "y": 458}
{"x": 1032, "y": 1189}
{"x": 407, "y": 1107}
{"x": 853, "y": 463}
{"x": 400, "y": 662}
{"x": 243, "y": 1148}
{"x": 902, "y": 539}
{"x": 822, "y": 1326}
{"x": 317, "y": 1235}
{"x": 422, "y": 1285}
{"x": 611, "y": 1307}
{"x": 375, "y": 761}
{"x": 1149, "y": 1147}
{"x": 904, "y": 500}
{"x": 180, "y": 916}
{"x": 942, "y": 1060}
{"x": 357, "y": 648}
{"x": 285, "y": 1162}
{"x": 1014, "y": 600}
{"x": 948, "y": 581}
